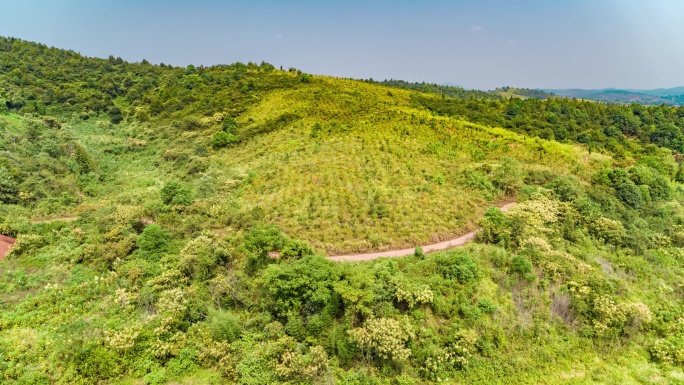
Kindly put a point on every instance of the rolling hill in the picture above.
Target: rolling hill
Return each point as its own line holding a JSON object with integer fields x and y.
{"x": 148, "y": 203}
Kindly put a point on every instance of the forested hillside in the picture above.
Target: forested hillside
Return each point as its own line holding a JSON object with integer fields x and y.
{"x": 149, "y": 202}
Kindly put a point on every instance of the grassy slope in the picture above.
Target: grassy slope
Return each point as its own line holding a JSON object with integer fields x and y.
{"x": 324, "y": 190}
{"x": 381, "y": 175}
{"x": 374, "y": 149}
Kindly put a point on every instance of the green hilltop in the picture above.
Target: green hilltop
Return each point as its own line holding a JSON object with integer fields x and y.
{"x": 149, "y": 202}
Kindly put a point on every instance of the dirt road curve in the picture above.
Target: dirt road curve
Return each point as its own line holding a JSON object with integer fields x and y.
{"x": 404, "y": 252}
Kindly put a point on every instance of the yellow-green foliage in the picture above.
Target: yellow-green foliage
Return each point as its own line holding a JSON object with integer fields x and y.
{"x": 113, "y": 281}
{"x": 379, "y": 174}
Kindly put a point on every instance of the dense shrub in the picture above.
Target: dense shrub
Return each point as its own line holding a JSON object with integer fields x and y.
{"x": 224, "y": 325}
{"x": 565, "y": 188}
{"x": 223, "y": 139}
{"x": 607, "y": 230}
{"x": 199, "y": 258}
{"x": 174, "y": 193}
{"x": 302, "y": 285}
{"x": 521, "y": 266}
{"x": 384, "y": 337}
{"x": 263, "y": 238}
{"x": 459, "y": 267}
{"x": 295, "y": 249}
{"x": 9, "y": 192}
{"x": 154, "y": 240}
{"x": 508, "y": 177}
{"x": 494, "y": 228}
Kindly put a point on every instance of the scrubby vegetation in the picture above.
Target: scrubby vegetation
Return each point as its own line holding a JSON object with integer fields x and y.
{"x": 148, "y": 202}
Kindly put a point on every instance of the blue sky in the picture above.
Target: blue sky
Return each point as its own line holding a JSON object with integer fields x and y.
{"x": 476, "y": 44}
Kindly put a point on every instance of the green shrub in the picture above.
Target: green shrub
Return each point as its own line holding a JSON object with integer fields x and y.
{"x": 176, "y": 194}
{"x": 304, "y": 78}
{"x": 477, "y": 181}
{"x": 601, "y": 178}
{"x": 679, "y": 176}
{"x": 184, "y": 363}
{"x": 255, "y": 370}
{"x": 508, "y": 177}
{"x": 156, "y": 377}
{"x": 229, "y": 125}
{"x": 486, "y": 306}
{"x": 521, "y": 266}
{"x": 223, "y": 139}
{"x": 295, "y": 326}
{"x": 199, "y": 258}
{"x": 566, "y": 188}
{"x": 660, "y": 188}
{"x": 494, "y": 228}
{"x": 263, "y": 238}
{"x": 459, "y": 267}
{"x": 641, "y": 175}
{"x": 154, "y": 240}
{"x": 191, "y": 124}
{"x": 629, "y": 194}
{"x": 316, "y": 130}
{"x": 96, "y": 362}
{"x": 539, "y": 177}
{"x": 224, "y": 325}
{"x": 308, "y": 281}
{"x": 83, "y": 159}
{"x": 587, "y": 209}
{"x": 8, "y": 187}
{"x": 658, "y": 185}
{"x": 295, "y": 249}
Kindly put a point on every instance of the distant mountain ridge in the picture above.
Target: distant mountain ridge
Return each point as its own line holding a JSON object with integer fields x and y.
{"x": 668, "y": 96}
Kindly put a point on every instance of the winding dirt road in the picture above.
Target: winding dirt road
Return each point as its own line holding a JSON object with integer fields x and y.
{"x": 462, "y": 240}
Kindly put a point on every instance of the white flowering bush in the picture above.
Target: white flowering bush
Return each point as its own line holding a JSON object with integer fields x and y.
{"x": 385, "y": 337}
{"x": 537, "y": 243}
{"x": 611, "y": 318}
{"x": 26, "y": 243}
{"x": 199, "y": 257}
{"x": 170, "y": 278}
{"x": 296, "y": 366}
{"x": 123, "y": 339}
{"x": 413, "y": 295}
{"x": 533, "y": 219}
{"x": 607, "y": 230}
{"x": 126, "y": 215}
{"x": 170, "y": 311}
{"x": 463, "y": 346}
{"x": 670, "y": 349}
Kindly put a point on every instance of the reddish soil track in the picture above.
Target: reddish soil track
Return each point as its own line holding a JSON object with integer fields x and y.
{"x": 5, "y": 245}
{"x": 462, "y": 240}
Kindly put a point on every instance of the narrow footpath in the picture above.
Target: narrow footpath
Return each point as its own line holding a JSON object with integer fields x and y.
{"x": 460, "y": 241}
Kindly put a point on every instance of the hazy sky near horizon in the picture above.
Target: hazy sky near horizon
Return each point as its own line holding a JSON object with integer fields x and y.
{"x": 476, "y": 44}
